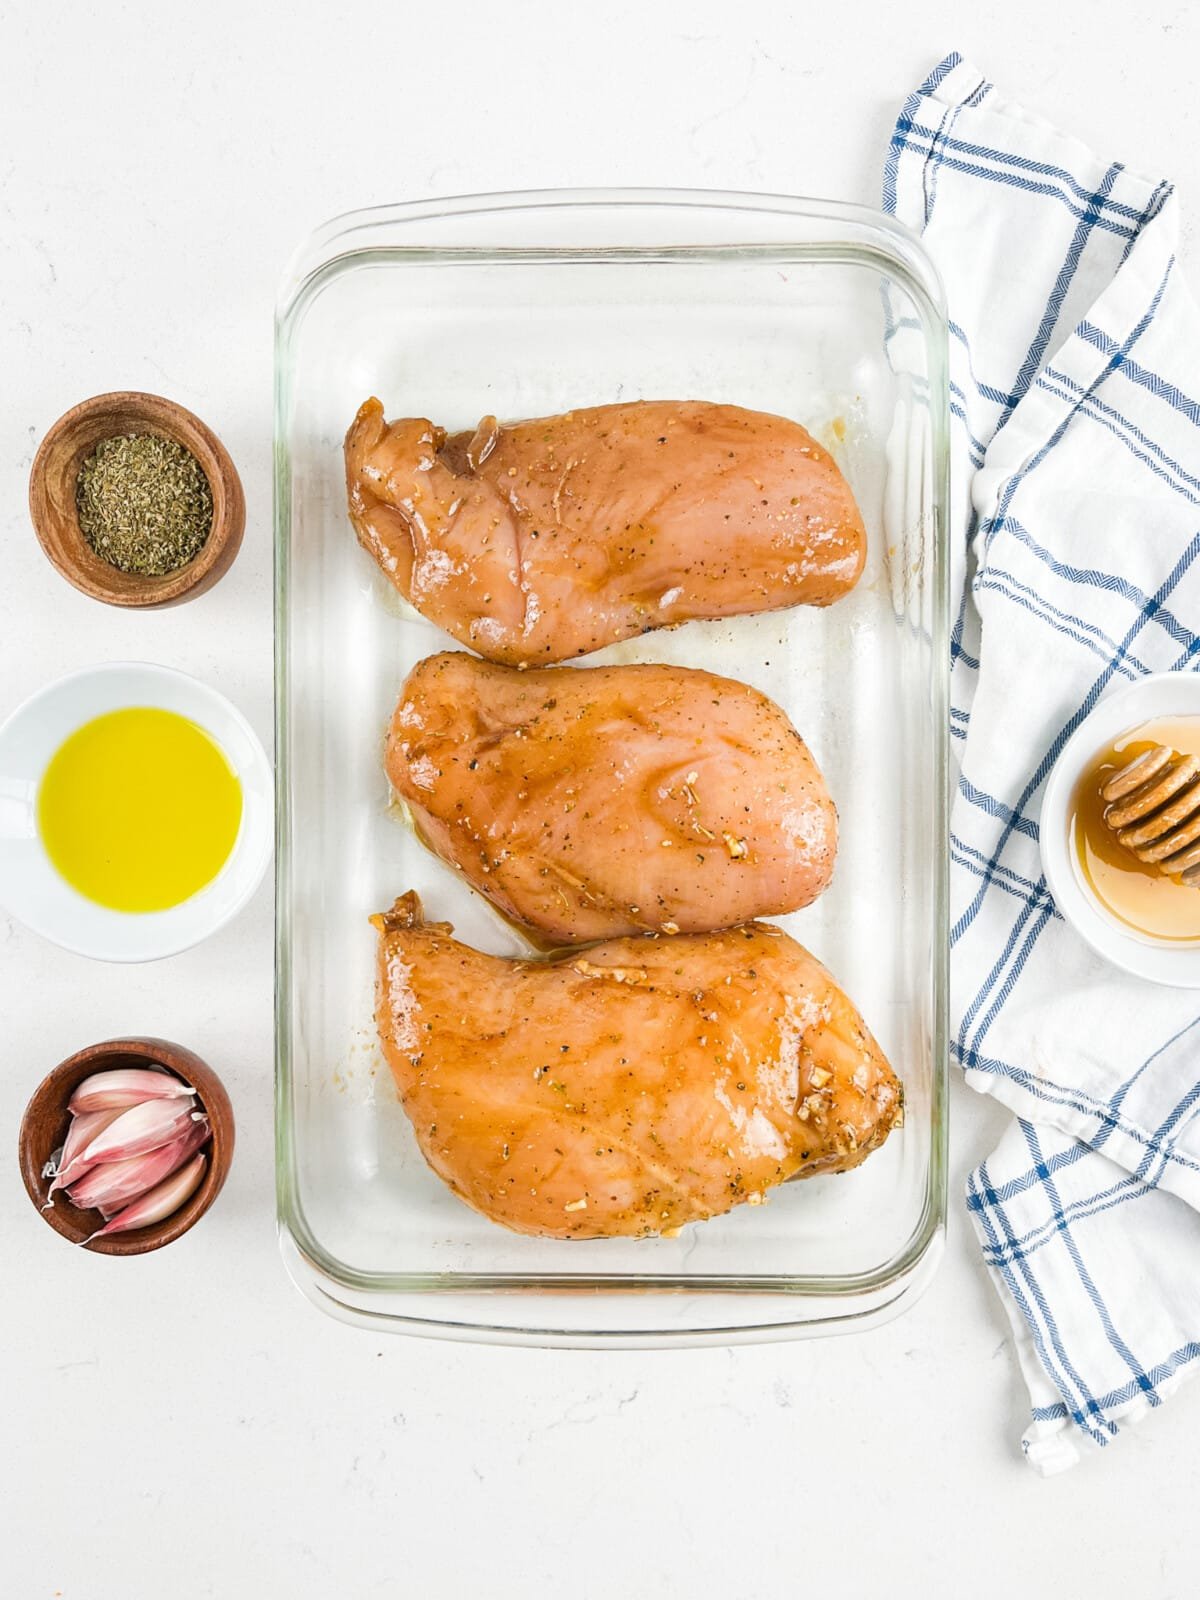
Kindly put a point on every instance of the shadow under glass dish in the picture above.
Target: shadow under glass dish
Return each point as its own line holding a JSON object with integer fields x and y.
{"x": 522, "y": 306}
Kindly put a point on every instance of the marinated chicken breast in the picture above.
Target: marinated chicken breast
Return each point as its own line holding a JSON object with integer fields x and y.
{"x": 591, "y": 802}
{"x": 536, "y": 541}
{"x": 631, "y": 1088}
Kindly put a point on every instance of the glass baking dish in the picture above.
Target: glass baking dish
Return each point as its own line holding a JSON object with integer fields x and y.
{"x": 528, "y": 304}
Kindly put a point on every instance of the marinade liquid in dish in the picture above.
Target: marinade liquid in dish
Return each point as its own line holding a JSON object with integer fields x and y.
{"x": 1136, "y": 893}
{"x": 139, "y": 809}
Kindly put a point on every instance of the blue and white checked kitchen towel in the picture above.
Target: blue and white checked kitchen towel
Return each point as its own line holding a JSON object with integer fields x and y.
{"x": 1075, "y": 393}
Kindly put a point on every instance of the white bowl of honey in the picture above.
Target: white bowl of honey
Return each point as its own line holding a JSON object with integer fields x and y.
{"x": 1135, "y": 900}
{"x": 136, "y": 812}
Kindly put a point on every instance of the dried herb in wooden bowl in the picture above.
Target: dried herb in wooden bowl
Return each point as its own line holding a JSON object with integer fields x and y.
{"x": 144, "y": 503}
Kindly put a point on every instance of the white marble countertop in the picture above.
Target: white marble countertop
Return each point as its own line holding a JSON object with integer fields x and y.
{"x": 186, "y": 1425}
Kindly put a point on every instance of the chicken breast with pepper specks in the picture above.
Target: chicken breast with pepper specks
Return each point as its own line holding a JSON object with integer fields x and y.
{"x": 591, "y": 802}
{"x": 630, "y": 1088}
{"x": 532, "y": 542}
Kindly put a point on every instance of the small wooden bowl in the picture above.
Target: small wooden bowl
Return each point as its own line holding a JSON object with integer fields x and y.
{"x": 55, "y": 517}
{"x": 44, "y": 1127}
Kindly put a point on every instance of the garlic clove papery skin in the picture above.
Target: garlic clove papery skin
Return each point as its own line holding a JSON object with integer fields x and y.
{"x": 111, "y": 1185}
{"x": 142, "y": 1128}
{"x": 120, "y": 1087}
{"x": 158, "y": 1203}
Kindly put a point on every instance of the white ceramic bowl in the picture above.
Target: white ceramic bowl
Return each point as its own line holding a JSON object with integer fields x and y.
{"x": 32, "y": 889}
{"x": 1165, "y": 694}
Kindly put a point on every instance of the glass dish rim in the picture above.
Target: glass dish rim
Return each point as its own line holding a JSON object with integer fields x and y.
{"x": 867, "y": 237}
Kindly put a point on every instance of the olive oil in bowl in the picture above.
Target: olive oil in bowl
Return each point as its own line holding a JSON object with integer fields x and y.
{"x": 139, "y": 809}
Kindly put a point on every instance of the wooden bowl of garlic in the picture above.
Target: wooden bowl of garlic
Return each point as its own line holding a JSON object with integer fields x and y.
{"x": 126, "y": 1144}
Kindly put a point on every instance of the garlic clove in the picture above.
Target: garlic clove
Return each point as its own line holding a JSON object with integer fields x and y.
{"x": 84, "y": 1128}
{"x": 158, "y": 1203}
{"x": 110, "y": 1185}
{"x": 120, "y": 1087}
{"x": 142, "y": 1128}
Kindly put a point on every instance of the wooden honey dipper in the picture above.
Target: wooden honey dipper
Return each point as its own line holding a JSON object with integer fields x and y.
{"x": 1152, "y": 806}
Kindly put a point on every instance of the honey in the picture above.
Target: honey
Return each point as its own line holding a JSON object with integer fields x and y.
{"x": 1137, "y": 894}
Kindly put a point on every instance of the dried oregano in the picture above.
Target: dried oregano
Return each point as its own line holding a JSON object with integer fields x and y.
{"x": 145, "y": 505}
